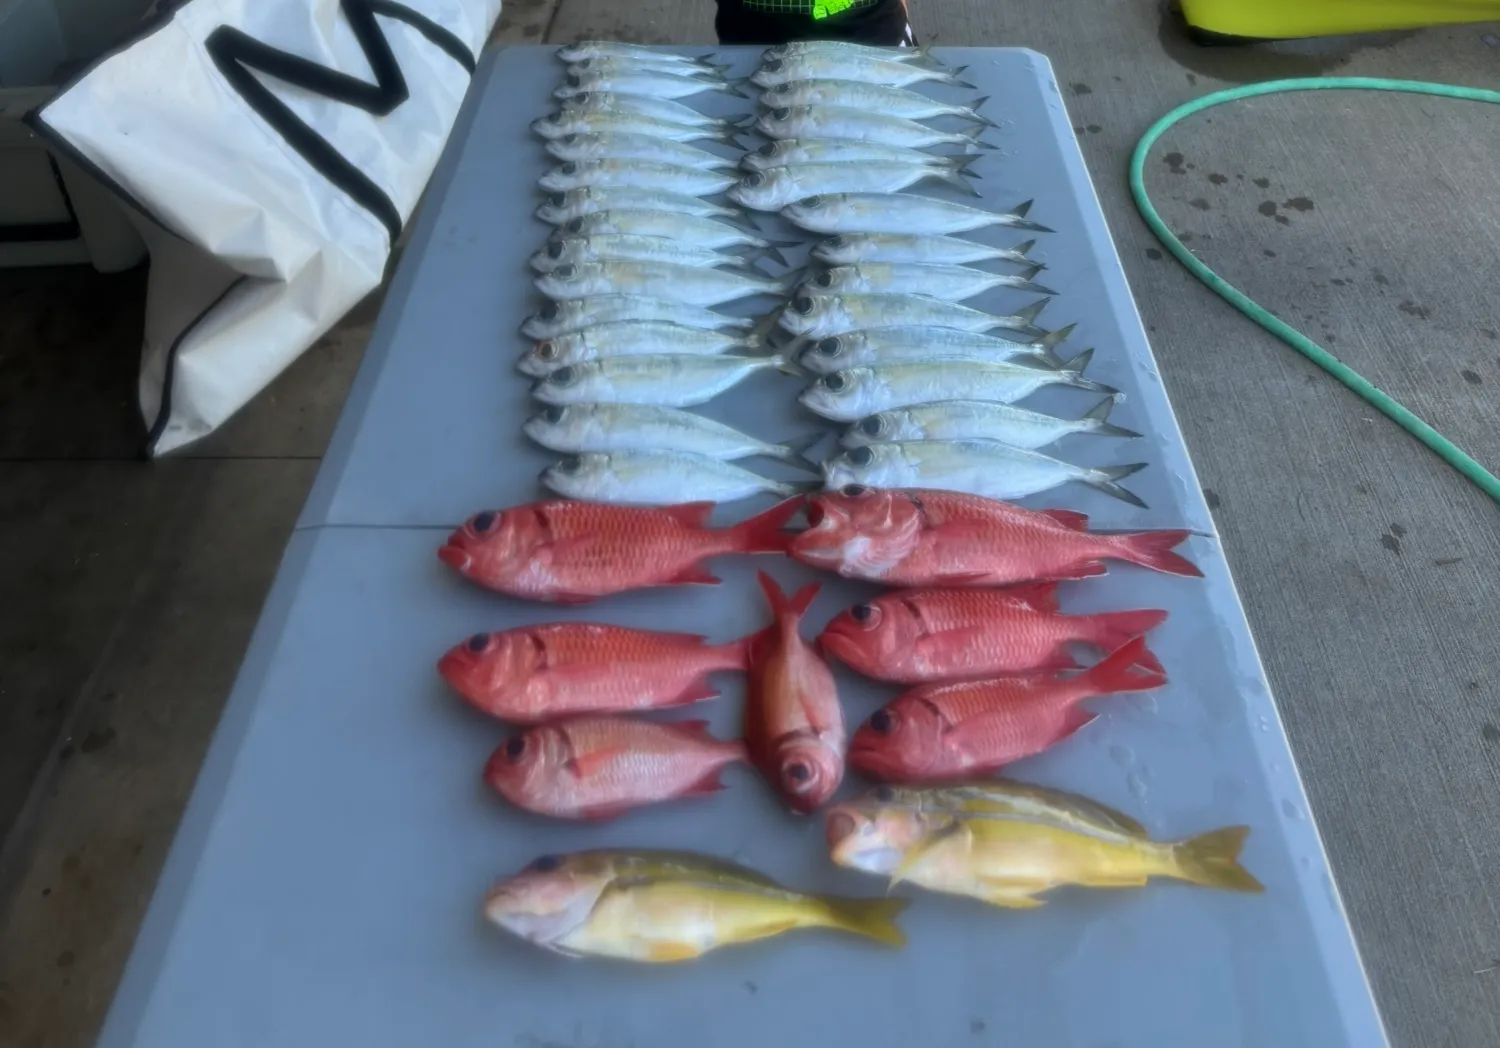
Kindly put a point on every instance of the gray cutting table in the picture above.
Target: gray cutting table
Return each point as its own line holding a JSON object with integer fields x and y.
{"x": 324, "y": 887}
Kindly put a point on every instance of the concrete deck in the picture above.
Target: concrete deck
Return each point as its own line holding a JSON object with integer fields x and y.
{"x": 1366, "y": 566}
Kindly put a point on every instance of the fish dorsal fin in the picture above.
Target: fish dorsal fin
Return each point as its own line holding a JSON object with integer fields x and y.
{"x": 1040, "y": 596}
{"x": 690, "y": 514}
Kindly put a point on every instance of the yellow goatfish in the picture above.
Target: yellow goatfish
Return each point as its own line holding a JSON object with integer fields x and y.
{"x": 665, "y": 906}
{"x": 1006, "y": 842}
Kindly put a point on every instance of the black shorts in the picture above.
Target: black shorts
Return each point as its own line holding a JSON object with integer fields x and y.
{"x": 881, "y": 24}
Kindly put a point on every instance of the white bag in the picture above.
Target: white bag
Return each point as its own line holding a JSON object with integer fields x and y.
{"x": 272, "y": 150}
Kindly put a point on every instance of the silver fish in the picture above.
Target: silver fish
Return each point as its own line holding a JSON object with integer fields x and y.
{"x": 840, "y": 122}
{"x": 950, "y": 283}
{"x": 577, "y": 52}
{"x": 663, "y": 109}
{"x": 607, "y": 145}
{"x": 776, "y": 187}
{"x": 698, "y": 287}
{"x": 660, "y": 478}
{"x": 564, "y": 207}
{"x": 672, "y": 381}
{"x": 774, "y": 72}
{"x": 572, "y": 250}
{"x": 629, "y": 338}
{"x": 882, "y": 213}
{"x": 645, "y": 82}
{"x": 621, "y": 427}
{"x": 850, "y": 395}
{"x": 855, "y": 94}
{"x": 979, "y": 420}
{"x": 631, "y": 64}
{"x": 637, "y": 174}
{"x": 849, "y": 248}
{"x": 783, "y": 151}
{"x": 571, "y": 122}
{"x": 978, "y": 467}
{"x": 566, "y": 317}
{"x": 922, "y": 55}
{"x": 818, "y": 316}
{"x": 701, "y": 232}
{"x": 905, "y": 345}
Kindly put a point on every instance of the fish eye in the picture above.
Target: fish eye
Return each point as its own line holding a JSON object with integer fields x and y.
{"x": 797, "y": 771}
{"x": 755, "y": 178}
{"x": 836, "y": 382}
{"x": 873, "y": 426}
{"x": 478, "y": 643}
{"x": 781, "y": 114}
{"x": 574, "y": 80}
{"x": 584, "y": 63}
{"x": 575, "y": 226}
{"x": 562, "y": 377}
{"x": 566, "y": 272}
{"x": 550, "y": 312}
{"x": 569, "y": 168}
{"x": 483, "y": 522}
{"x": 571, "y": 140}
{"x": 881, "y": 722}
{"x": 555, "y": 413}
{"x": 515, "y": 747}
{"x": 558, "y": 199}
{"x": 810, "y": 202}
{"x": 885, "y": 794}
{"x": 854, "y": 491}
{"x": 823, "y": 279}
{"x": 546, "y": 350}
{"x": 838, "y": 241}
{"x": 867, "y": 615}
{"x": 545, "y": 863}
{"x": 555, "y": 249}
{"x": 828, "y": 347}
{"x": 769, "y": 149}
{"x": 571, "y": 464}
{"x": 583, "y": 96}
{"x": 802, "y": 304}
{"x": 773, "y": 66}
{"x": 861, "y": 456}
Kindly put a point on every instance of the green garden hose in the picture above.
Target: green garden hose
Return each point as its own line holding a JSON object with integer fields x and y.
{"x": 1378, "y": 398}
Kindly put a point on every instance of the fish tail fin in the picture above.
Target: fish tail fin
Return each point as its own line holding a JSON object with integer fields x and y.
{"x": 764, "y": 326}
{"x": 763, "y": 251}
{"x": 762, "y": 533}
{"x": 1075, "y": 368}
{"x": 744, "y": 87}
{"x": 1016, "y": 219}
{"x": 973, "y": 112}
{"x": 954, "y": 176}
{"x": 797, "y": 487}
{"x": 1025, "y": 281}
{"x": 1107, "y": 478}
{"x": 1112, "y": 630}
{"x": 954, "y": 78}
{"x": 794, "y": 606}
{"x": 871, "y": 918}
{"x": 1127, "y": 668}
{"x": 787, "y": 366}
{"x": 1022, "y": 250}
{"x": 963, "y": 162}
{"x": 1027, "y": 315}
{"x": 922, "y": 56}
{"x": 1153, "y": 549}
{"x": 1102, "y": 426}
{"x": 970, "y": 135}
{"x": 1213, "y": 860}
{"x": 739, "y": 220}
{"x": 719, "y": 68}
{"x": 794, "y": 452}
{"x": 1046, "y": 348}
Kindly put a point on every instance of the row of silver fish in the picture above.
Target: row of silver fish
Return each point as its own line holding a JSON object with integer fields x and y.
{"x": 636, "y": 262}
{"x": 928, "y": 392}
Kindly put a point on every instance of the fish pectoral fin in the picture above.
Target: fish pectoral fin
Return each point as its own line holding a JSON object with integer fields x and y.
{"x": 919, "y": 851}
{"x": 1012, "y": 900}
{"x": 591, "y": 763}
{"x": 672, "y": 952}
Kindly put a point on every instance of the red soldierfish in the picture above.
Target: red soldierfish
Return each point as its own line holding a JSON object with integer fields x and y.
{"x": 539, "y": 673}
{"x": 601, "y": 767}
{"x": 794, "y": 726}
{"x": 918, "y": 636}
{"x": 569, "y": 552}
{"x": 944, "y": 731}
{"x": 917, "y": 537}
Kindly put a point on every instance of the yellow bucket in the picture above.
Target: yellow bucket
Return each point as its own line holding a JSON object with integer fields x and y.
{"x": 1285, "y": 19}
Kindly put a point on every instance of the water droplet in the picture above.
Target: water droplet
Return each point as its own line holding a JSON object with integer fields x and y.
{"x": 1290, "y": 810}
{"x": 1122, "y": 755}
{"x": 1305, "y": 861}
{"x": 1137, "y": 786}
{"x": 1263, "y": 723}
